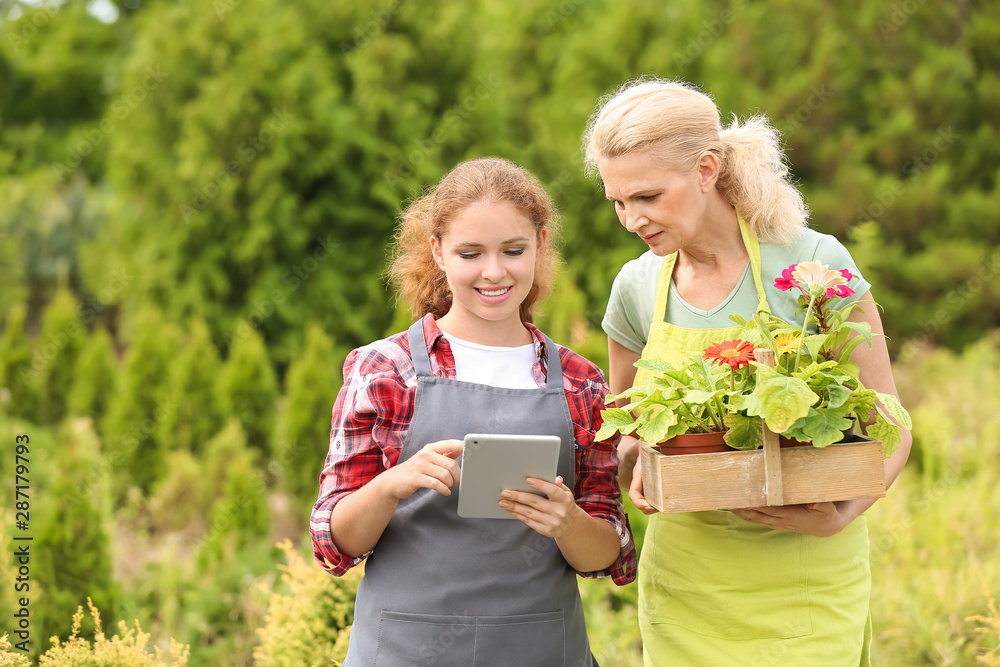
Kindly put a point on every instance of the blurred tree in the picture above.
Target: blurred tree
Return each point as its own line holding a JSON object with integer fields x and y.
{"x": 311, "y": 387}
{"x": 56, "y": 352}
{"x": 241, "y": 510}
{"x": 248, "y": 390}
{"x": 139, "y": 404}
{"x": 196, "y": 415}
{"x": 93, "y": 378}
{"x": 72, "y": 558}
{"x": 15, "y": 368}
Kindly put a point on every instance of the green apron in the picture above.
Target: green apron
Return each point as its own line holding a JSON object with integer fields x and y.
{"x": 717, "y": 590}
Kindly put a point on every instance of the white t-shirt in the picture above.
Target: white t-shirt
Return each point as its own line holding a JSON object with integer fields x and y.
{"x": 508, "y": 367}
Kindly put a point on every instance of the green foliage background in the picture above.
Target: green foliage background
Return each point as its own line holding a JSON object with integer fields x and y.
{"x": 195, "y": 202}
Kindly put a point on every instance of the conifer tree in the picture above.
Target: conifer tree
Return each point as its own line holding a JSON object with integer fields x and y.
{"x": 15, "y": 368}
{"x": 311, "y": 388}
{"x": 73, "y": 557}
{"x": 249, "y": 390}
{"x": 56, "y": 352}
{"x": 196, "y": 415}
{"x": 130, "y": 427}
{"x": 240, "y": 515}
{"x": 94, "y": 378}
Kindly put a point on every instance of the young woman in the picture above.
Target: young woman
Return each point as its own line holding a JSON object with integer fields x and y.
{"x": 776, "y": 585}
{"x": 474, "y": 257}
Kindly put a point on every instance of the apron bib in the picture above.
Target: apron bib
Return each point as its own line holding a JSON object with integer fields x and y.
{"x": 443, "y": 590}
{"x": 717, "y": 590}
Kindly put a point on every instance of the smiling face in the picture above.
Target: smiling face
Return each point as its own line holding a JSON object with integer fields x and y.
{"x": 488, "y": 253}
{"x": 662, "y": 206}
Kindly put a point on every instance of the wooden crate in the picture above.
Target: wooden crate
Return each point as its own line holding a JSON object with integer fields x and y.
{"x": 733, "y": 480}
{"x": 771, "y": 475}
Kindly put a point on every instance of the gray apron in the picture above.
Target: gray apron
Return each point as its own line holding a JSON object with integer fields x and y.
{"x": 443, "y": 590}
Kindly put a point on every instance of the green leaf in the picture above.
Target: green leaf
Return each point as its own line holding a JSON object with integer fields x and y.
{"x": 698, "y": 397}
{"x": 895, "y": 409}
{"x": 844, "y": 354}
{"x": 744, "y": 432}
{"x": 862, "y": 328}
{"x": 824, "y": 427}
{"x": 765, "y": 332}
{"x": 655, "y": 365}
{"x": 890, "y": 435}
{"x": 813, "y": 369}
{"x": 838, "y": 395}
{"x": 815, "y": 344}
{"x": 749, "y": 403}
{"x": 614, "y": 420}
{"x": 784, "y": 400}
{"x": 654, "y": 424}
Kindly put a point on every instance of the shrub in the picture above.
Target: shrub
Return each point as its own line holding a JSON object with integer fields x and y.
{"x": 249, "y": 390}
{"x": 309, "y": 624}
{"x": 139, "y": 404}
{"x": 94, "y": 378}
{"x": 311, "y": 388}
{"x": 195, "y": 415}
{"x": 15, "y": 365}
{"x": 127, "y": 650}
{"x": 56, "y": 352}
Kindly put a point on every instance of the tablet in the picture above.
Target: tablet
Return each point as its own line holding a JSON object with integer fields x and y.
{"x": 493, "y": 462}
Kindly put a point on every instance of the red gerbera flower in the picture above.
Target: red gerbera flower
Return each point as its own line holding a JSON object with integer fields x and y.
{"x": 736, "y": 353}
{"x": 786, "y": 281}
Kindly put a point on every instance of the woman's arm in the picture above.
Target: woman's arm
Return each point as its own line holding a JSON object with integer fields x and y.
{"x": 621, "y": 375}
{"x": 359, "y": 519}
{"x": 824, "y": 519}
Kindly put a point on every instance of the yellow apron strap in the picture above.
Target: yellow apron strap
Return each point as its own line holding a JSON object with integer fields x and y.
{"x": 753, "y": 249}
{"x": 663, "y": 287}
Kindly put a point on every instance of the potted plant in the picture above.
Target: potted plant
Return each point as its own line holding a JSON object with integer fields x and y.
{"x": 812, "y": 395}
{"x": 698, "y": 408}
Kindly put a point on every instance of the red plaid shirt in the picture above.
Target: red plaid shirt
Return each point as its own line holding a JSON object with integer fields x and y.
{"x": 372, "y": 415}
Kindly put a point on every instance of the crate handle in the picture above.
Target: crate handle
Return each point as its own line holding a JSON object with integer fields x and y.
{"x": 773, "y": 490}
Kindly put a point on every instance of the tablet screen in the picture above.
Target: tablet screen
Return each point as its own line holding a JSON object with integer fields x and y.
{"x": 494, "y": 462}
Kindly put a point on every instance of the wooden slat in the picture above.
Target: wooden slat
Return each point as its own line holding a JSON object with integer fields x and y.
{"x": 772, "y": 447}
{"x": 731, "y": 480}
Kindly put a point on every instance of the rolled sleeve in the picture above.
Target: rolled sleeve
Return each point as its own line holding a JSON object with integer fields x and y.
{"x": 596, "y": 489}
{"x": 363, "y": 443}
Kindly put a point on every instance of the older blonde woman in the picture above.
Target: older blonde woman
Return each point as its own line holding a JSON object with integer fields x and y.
{"x": 778, "y": 585}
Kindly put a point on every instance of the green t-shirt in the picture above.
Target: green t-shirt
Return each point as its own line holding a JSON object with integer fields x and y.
{"x": 633, "y": 294}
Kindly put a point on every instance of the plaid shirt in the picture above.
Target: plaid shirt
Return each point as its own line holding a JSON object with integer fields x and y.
{"x": 372, "y": 415}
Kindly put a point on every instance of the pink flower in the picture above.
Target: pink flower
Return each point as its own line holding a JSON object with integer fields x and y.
{"x": 840, "y": 290}
{"x": 847, "y": 275}
{"x": 786, "y": 281}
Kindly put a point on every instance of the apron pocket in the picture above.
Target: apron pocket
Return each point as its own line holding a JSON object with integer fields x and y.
{"x": 431, "y": 639}
{"x": 522, "y": 639}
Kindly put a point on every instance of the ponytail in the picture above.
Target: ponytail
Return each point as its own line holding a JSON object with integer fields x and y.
{"x": 755, "y": 178}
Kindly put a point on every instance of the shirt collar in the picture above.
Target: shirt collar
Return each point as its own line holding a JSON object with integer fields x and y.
{"x": 433, "y": 334}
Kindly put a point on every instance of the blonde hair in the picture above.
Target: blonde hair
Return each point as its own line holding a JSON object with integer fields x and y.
{"x": 419, "y": 281}
{"x": 678, "y": 123}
